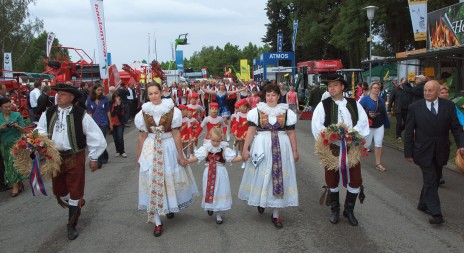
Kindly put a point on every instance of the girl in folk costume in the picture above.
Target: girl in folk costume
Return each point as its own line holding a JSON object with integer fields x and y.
{"x": 199, "y": 112}
{"x": 184, "y": 129}
{"x": 165, "y": 187}
{"x": 269, "y": 179}
{"x": 216, "y": 186}
{"x": 183, "y": 94}
{"x": 193, "y": 125}
{"x": 211, "y": 121}
{"x": 241, "y": 124}
{"x": 221, "y": 98}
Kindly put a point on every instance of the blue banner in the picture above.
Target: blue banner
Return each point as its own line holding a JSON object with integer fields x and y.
{"x": 280, "y": 39}
{"x": 180, "y": 61}
{"x": 295, "y": 29}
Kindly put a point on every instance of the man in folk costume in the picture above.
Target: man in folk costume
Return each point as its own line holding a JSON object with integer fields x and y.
{"x": 333, "y": 110}
{"x": 72, "y": 130}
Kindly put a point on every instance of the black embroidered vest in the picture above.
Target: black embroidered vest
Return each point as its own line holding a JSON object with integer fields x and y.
{"x": 74, "y": 120}
{"x": 331, "y": 111}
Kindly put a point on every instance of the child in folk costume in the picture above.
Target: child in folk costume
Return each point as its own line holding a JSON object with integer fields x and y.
{"x": 216, "y": 185}
{"x": 195, "y": 103}
{"x": 241, "y": 124}
{"x": 192, "y": 128}
{"x": 211, "y": 121}
{"x": 183, "y": 94}
{"x": 184, "y": 129}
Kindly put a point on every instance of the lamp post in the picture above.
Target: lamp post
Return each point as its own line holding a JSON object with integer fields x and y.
{"x": 370, "y": 15}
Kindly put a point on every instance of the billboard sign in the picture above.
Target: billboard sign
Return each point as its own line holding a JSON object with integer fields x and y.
{"x": 446, "y": 28}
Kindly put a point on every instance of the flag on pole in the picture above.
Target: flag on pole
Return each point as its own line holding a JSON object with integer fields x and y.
{"x": 295, "y": 30}
{"x": 50, "y": 38}
{"x": 99, "y": 20}
{"x": 7, "y": 65}
{"x": 280, "y": 39}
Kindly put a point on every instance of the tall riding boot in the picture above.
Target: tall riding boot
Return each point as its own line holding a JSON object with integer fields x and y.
{"x": 74, "y": 213}
{"x": 335, "y": 207}
{"x": 350, "y": 201}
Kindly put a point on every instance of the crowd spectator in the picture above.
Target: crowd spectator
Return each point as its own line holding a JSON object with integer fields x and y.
{"x": 417, "y": 92}
{"x": 43, "y": 102}
{"x": 84, "y": 90}
{"x": 98, "y": 107}
{"x": 11, "y": 128}
{"x": 117, "y": 117}
{"x": 377, "y": 116}
{"x": 292, "y": 99}
{"x": 398, "y": 105}
{"x": 33, "y": 97}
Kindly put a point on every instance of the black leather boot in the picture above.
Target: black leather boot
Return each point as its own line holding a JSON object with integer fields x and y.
{"x": 335, "y": 207}
{"x": 350, "y": 201}
{"x": 74, "y": 213}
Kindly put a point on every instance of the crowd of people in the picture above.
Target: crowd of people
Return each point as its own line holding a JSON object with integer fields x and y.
{"x": 259, "y": 118}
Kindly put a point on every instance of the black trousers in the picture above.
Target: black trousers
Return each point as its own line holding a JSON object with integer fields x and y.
{"x": 2, "y": 171}
{"x": 231, "y": 105}
{"x": 400, "y": 122}
{"x": 429, "y": 195}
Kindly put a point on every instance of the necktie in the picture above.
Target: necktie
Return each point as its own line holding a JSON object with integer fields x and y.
{"x": 432, "y": 108}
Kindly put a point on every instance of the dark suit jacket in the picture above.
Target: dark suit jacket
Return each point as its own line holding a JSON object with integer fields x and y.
{"x": 43, "y": 102}
{"x": 427, "y": 136}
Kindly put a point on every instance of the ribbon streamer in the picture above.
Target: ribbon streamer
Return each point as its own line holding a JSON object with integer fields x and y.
{"x": 35, "y": 179}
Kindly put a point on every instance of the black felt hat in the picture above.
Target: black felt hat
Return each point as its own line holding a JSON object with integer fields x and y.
{"x": 326, "y": 78}
{"x": 67, "y": 88}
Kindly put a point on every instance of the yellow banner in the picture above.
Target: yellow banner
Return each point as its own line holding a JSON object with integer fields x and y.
{"x": 244, "y": 70}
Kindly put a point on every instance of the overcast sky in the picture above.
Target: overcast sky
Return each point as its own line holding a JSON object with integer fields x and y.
{"x": 208, "y": 23}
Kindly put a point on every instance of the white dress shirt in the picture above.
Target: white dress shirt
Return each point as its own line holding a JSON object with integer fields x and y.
{"x": 34, "y": 96}
{"x": 96, "y": 142}
{"x": 429, "y": 105}
{"x": 362, "y": 126}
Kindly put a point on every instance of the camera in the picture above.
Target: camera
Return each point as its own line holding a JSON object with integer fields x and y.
{"x": 10, "y": 125}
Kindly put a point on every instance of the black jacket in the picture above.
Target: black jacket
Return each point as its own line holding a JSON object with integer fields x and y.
{"x": 43, "y": 103}
{"x": 399, "y": 99}
{"x": 416, "y": 92}
{"x": 427, "y": 136}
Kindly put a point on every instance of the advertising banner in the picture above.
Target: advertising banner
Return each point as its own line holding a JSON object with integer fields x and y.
{"x": 50, "y": 38}
{"x": 7, "y": 65}
{"x": 180, "y": 61}
{"x": 99, "y": 20}
{"x": 280, "y": 41}
{"x": 295, "y": 30}
{"x": 418, "y": 12}
{"x": 244, "y": 70}
{"x": 446, "y": 27}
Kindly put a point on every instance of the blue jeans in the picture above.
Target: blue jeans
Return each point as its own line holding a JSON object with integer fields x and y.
{"x": 104, "y": 156}
{"x": 118, "y": 136}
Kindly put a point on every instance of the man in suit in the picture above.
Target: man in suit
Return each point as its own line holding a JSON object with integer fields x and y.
{"x": 427, "y": 144}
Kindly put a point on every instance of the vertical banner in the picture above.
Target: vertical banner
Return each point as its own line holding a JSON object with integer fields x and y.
{"x": 7, "y": 65}
{"x": 280, "y": 39}
{"x": 180, "y": 61}
{"x": 244, "y": 70}
{"x": 50, "y": 38}
{"x": 204, "y": 72}
{"x": 99, "y": 20}
{"x": 295, "y": 30}
{"x": 418, "y": 12}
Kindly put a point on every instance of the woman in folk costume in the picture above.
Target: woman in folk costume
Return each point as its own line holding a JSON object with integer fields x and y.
{"x": 165, "y": 187}
{"x": 211, "y": 121}
{"x": 216, "y": 186}
{"x": 334, "y": 110}
{"x": 269, "y": 179}
{"x": 241, "y": 124}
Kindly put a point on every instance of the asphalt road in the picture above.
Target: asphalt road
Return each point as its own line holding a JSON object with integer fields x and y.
{"x": 110, "y": 221}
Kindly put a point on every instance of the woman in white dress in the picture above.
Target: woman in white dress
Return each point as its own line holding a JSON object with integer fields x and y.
{"x": 269, "y": 179}
{"x": 165, "y": 187}
{"x": 216, "y": 186}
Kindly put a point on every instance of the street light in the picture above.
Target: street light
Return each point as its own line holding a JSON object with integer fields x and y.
{"x": 370, "y": 15}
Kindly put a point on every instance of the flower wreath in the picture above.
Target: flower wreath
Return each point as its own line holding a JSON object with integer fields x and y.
{"x": 336, "y": 132}
{"x": 27, "y": 152}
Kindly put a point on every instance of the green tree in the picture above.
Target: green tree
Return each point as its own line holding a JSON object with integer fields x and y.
{"x": 36, "y": 53}
{"x": 17, "y": 30}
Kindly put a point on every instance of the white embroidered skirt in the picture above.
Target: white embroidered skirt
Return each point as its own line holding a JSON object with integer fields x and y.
{"x": 256, "y": 186}
{"x": 222, "y": 197}
{"x": 180, "y": 186}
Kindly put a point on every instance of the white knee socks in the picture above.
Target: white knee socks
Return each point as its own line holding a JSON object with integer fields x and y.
{"x": 157, "y": 219}
{"x": 275, "y": 213}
